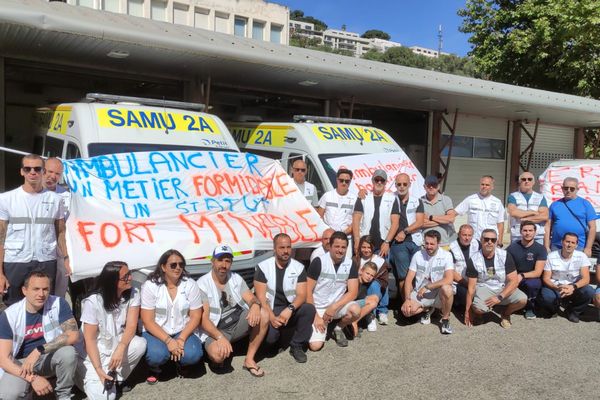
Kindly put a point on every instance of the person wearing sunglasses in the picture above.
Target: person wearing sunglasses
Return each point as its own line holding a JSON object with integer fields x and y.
{"x": 527, "y": 205}
{"x": 171, "y": 312}
{"x": 566, "y": 280}
{"x": 462, "y": 249}
{"x": 32, "y": 227}
{"x": 439, "y": 211}
{"x": 324, "y": 247}
{"x": 571, "y": 214}
{"x": 336, "y": 206}
{"x": 493, "y": 281}
{"x": 308, "y": 189}
{"x": 234, "y": 314}
{"x": 483, "y": 209}
{"x": 109, "y": 319}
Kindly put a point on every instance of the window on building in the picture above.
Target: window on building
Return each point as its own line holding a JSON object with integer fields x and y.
{"x": 85, "y": 3}
{"x": 158, "y": 10}
{"x": 201, "y": 18}
{"x": 276, "y": 33}
{"x": 462, "y": 146}
{"x": 135, "y": 8}
{"x": 239, "y": 26}
{"x": 222, "y": 22}
{"x": 258, "y": 30}
{"x": 110, "y": 5}
{"x": 180, "y": 14}
{"x": 489, "y": 148}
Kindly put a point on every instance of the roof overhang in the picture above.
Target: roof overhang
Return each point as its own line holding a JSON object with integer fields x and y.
{"x": 55, "y": 32}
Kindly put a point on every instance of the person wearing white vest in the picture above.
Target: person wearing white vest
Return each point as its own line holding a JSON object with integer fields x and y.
{"x": 38, "y": 336}
{"x": 109, "y": 321}
{"x": 32, "y": 226}
{"x": 280, "y": 286}
{"x": 233, "y": 312}
{"x": 53, "y": 171}
{"x": 527, "y": 205}
{"x": 462, "y": 249}
{"x": 324, "y": 247}
{"x": 332, "y": 286}
{"x": 306, "y": 188}
{"x": 483, "y": 209}
{"x": 408, "y": 239}
{"x": 566, "y": 280}
{"x": 432, "y": 271}
{"x": 171, "y": 312}
{"x": 377, "y": 215}
{"x": 493, "y": 281}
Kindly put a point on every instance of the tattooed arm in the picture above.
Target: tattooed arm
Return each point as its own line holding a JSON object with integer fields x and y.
{"x": 69, "y": 337}
{"x": 3, "y": 281}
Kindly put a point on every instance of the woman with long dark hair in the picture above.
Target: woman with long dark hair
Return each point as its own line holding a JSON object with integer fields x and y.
{"x": 171, "y": 313}
{"x": 109, "y": 319}
{"x": 366, "y": 254}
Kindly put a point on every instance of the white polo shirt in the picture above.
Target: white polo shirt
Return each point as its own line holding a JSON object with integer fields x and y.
{"x": 171, "y": 314}
{"x": 338, "y": 209}
{"x": 566, "y": 271}
{"x": 429, "y": 269}
{"x": 482, "y": 212}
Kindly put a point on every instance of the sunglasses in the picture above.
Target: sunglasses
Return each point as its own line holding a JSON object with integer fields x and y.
{"x": 432, "y": 186}
{"x": 526, "y": 179}
{"x": 126, "y": 277}
{"x": 224, "y": 301}
{"x": 326, "y": 238}
{"x": 300, "y": 169}
{"x": 569, "y": 188}
{"x": 379, "y": 180}
{"x": 36, "y": 169}
{"x": 174, "y": 265}
{"x": 346, "y": 181}
{"x": 401, "y": 184}
{"x": 490, "y": 239}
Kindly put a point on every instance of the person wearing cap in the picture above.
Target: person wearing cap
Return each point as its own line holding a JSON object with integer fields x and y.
{"x": 234, "y": 312}
{"x": 306, "y": 188}
{"x": 484, "y": 210}
{"x": 439, "y": 211}
{"x": 280, "y": 286}
{"x": 527, "y": 205}
{"x": 324, "y": 247}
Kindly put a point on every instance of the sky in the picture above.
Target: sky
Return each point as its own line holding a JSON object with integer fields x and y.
{"x": 410, "y": 22}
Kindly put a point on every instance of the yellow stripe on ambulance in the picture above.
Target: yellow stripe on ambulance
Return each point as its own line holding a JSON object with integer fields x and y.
{"x": 263, "y": 135}
{"x": 354, "y": 133}
{"x": 156, "y": 120}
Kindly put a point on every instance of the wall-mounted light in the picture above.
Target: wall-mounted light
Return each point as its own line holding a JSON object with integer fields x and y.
{"x": 308, "y": 83}
{"x": 118, "y": 54}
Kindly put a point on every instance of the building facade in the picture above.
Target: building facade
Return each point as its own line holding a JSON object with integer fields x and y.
{"x": 424, "y": 51}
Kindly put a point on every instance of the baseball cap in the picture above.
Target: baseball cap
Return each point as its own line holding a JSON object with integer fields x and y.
{"x": 432, "y": 180}
{"x": 379, "y": 173}
{"x": 222, "y": 250}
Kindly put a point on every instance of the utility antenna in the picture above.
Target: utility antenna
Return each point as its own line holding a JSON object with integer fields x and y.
{"x": 440, "y": 40}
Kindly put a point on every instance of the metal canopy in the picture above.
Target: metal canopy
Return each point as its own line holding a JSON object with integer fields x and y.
{"x": 55, "y": 32}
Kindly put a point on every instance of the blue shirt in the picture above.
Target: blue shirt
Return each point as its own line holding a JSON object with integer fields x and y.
{"x": 564, "y": 221}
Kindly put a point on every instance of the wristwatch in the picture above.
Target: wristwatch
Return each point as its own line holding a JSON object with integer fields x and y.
{"x": 387, "y": 241}
{"x": 431, "y": 217}
{"x": 292, "y": 308}
{"x": 500, "y": 297}
{"x": 40, "y": 349}
{"x": 405, "y": 230}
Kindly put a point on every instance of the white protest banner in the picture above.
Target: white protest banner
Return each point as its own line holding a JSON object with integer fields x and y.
{"x": 392, "y": 163}
{"x": 588, "y": 175}
{"x": 134, "y": 206}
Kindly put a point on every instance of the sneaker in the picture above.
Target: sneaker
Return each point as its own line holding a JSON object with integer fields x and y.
{"x": 505, "y": 323}
{"x": 372, "y": 327}
{"x": 573, "y": 317}
{"x": 382, "y": 318}
{"x": 339, "y": 337}
{"x": 446, "y": 328}
{"x": 298, "y": 354}
{"x": 530, "y": 314}
{"x": 426, "y": 317}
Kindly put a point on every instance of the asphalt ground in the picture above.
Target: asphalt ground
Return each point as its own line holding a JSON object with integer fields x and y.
{"x": 540, "y": 359}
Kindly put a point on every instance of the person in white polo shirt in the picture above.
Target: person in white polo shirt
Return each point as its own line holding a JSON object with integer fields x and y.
{"x": 306, "y": 188}
{"x": 332, "y": 286}
{"x": 483, "y": 209}
{"x": 493, "y": 281}
{"x": 171, "y": 312}
{"x": 233, "y": 313}
{"x": 336, "y": 206}
{"x": 432, "y": 270}
{"x": 566, "y": 279}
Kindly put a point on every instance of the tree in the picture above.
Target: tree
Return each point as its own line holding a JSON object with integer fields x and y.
{"x": 298, "y": 15}
{"x": 545, "y": 44}
{"x": 376, "y": 33}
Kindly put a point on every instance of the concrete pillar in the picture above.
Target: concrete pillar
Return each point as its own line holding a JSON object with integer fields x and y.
{"x": 579, "y": 143}
{"x": 2, "y": 124}
{"x": 436, "y": 139}
{"x": 514, "y": 155}
{"x": 193, "y": 91}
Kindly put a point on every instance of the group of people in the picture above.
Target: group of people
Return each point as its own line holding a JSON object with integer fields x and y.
{"x": 343, "y": 290}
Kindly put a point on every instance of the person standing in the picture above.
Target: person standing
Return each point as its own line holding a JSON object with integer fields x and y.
{"x": 527, "y": 205}
{"x": 306, "y": 188}
{"x": 571, "y": 214}
{"x": 530, "y": 257}
{"x": 483, "y": 209}
{"x": 32, "y": 226}
{"x": 336, "y": 206}
{"x": 439, "y": 211}
{"x": 280, "y": 286}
